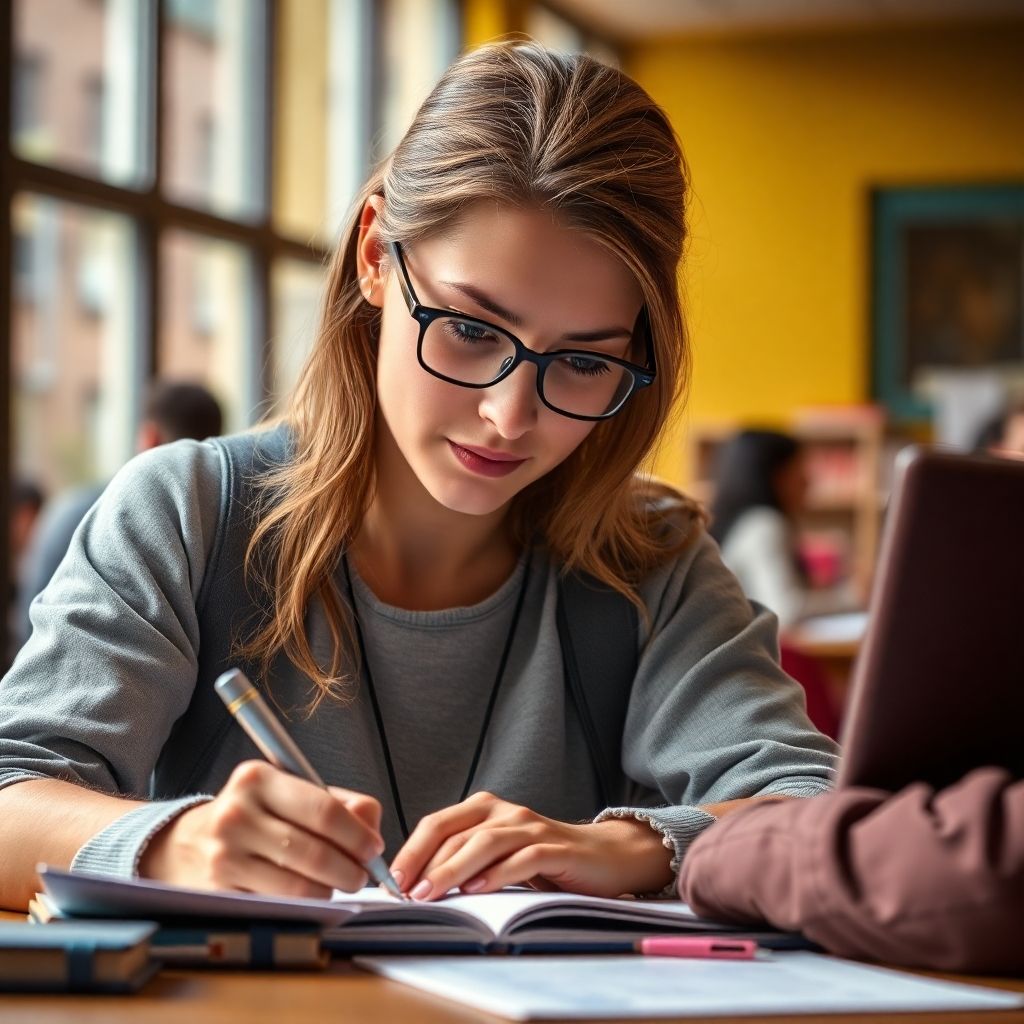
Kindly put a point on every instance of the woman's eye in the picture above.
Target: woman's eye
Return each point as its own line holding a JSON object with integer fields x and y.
{"x": 585, "y": 366}
{"x": 467, "y": 331}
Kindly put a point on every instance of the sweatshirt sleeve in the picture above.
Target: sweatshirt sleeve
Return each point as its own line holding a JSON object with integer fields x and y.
{"x": 712, "y": 716}
{"x": 111, "y": 662}
{"x": 918, "y": 878}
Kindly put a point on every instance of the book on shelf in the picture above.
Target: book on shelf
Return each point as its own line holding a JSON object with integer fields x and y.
{"x": 80, "y": 956}
{"x": 513, "y": 920}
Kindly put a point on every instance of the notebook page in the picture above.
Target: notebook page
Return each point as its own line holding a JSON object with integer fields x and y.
{"x": 390, "y": 917}
{"x": 502, "y": 911}
{"x": 530, "y": 988}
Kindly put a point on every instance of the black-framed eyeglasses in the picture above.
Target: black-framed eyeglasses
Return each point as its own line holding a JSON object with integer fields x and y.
{"x": 474, "y": 353}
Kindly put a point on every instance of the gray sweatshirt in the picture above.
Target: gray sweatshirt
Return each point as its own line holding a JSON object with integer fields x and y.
{"x": 112, "y": 664}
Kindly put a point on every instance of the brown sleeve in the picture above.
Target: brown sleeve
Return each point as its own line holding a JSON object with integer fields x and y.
{"x": 916, "y": 878}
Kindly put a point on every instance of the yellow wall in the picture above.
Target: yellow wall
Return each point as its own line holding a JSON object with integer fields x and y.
{"x": 483, "y": 20}
{"x": 784, "y": 137}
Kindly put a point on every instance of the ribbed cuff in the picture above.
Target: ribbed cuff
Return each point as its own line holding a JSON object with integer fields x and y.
{"x": 118, "y": 848}
{"x": 677, "y": 826}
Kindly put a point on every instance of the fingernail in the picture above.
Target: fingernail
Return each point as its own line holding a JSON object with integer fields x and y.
{"x": 474, "y": 884}
{"x": 421, "y": 890}
{"x": 399, "y": 876}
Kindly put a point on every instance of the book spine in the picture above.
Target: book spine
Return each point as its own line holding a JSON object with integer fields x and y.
{"x": 258, "y": 947}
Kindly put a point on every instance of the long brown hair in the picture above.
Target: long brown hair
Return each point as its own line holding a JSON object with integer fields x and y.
{"x": 512, "y": 123}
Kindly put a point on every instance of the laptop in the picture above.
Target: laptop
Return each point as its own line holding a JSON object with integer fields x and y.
{"x": 938, "y": 684}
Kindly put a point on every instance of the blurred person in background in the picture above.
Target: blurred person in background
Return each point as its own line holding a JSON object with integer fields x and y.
{"x": 26, "y": 502}
{"x": 760, "y": 492}
{"x": 1004, "y": 434}
{"x": 173, "y": 410}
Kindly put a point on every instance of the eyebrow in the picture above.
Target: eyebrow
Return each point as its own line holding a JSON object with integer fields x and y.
{"x": 484, "y": 301}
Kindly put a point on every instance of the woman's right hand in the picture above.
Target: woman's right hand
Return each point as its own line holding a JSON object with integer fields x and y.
{"x": 269, "y": 832}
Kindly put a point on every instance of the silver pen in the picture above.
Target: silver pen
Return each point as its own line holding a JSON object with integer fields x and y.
{"x": 251, "y": 712}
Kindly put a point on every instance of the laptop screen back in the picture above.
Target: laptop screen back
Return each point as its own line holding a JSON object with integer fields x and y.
{"x": 939, "y": 682}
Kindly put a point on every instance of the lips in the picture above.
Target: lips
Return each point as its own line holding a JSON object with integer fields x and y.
{"x": 489, "y": 454}
{"x": 485, "y": 461}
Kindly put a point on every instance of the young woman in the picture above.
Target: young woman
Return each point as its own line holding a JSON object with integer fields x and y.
{"x": 500, "y": 345}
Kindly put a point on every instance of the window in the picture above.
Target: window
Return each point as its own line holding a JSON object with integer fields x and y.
{"x": 92, "y": 116}
{"x": 175, "y": 174}
{"x": 83, "y": 65}
{"x": 28, "y": 93}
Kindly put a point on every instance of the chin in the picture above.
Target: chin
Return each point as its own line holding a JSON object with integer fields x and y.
{"x": 470, "y": 498}
{"x": 470, "y": 504}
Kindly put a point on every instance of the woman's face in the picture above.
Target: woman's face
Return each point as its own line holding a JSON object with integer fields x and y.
{"x": 791, "y": 484}
{"x": 522, "y": 270}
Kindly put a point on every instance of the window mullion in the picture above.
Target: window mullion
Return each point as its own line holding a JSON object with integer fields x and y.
{"x": 6, "y": 263}
{"x": 263, "y": 258}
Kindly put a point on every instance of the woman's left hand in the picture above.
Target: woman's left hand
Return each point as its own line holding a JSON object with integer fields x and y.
{"x": 484, "y": 844}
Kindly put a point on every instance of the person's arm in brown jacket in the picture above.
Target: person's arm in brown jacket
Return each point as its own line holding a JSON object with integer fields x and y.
{"x": 916, "y": 878}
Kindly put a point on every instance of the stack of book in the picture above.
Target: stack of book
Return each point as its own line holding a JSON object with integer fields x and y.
{"x": 514, "y": 920}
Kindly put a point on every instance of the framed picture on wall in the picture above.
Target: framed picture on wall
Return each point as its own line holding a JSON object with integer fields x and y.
{"x": 947, "y": 288}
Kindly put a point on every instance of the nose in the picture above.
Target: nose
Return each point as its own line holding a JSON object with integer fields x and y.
{"x": 511, "y": 405}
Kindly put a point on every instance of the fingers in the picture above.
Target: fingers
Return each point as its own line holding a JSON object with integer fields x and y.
{"x": 300, "y": 854}
{"x": 261, "y": 876}
{"x": 480, "y": 853}
{"x": 364, "y": 807}
{"x": 542, "y": 865}
{"x": 435, "y": 829}
{"x": 314, "y": 840}
{"x": 310, "y": 808}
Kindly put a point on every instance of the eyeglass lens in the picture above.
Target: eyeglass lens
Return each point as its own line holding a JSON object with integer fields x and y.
{"x": 467, "y": 352}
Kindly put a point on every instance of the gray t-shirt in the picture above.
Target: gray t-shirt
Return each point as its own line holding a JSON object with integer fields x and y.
{"x": 112, "y": 662}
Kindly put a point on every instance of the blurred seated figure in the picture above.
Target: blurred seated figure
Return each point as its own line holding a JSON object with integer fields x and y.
{"x": 1004, "y": 435}
{"x": 760, "y": 490}
{"x": 25, "y": 503}
{"x": 173, "y": 411}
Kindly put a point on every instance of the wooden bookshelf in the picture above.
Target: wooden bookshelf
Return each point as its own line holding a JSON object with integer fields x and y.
{"x": 845, "y": 449}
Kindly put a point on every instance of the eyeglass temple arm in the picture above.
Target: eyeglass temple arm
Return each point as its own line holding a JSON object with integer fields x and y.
{"x": 403, "y": 275}
{"x": 645, "y": 326}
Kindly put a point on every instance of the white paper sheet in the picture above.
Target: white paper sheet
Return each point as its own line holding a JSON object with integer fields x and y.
{"x": 530, "y": 988}
{"x": 840, "y": 628}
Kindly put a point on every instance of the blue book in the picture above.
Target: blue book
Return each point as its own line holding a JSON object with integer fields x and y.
{"x": 197, "y": 941}
{"x": 80, "y": 956}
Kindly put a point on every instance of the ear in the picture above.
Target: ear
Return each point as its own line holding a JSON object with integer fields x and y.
{"x": 369, "y": 252}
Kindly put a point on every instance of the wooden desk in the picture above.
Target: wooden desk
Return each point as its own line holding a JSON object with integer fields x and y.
{"x": 340, "y": 994}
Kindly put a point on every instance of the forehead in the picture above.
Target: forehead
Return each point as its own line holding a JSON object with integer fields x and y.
{"x": 534, "y": 264}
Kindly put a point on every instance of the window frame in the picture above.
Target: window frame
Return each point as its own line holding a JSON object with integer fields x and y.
{"x": 152, "y": 213}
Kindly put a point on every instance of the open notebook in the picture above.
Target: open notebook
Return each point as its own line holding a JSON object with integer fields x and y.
{"x": 371, "y": 920}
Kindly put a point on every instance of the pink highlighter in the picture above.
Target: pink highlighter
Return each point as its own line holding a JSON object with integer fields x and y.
{"x": 698, "y": 947}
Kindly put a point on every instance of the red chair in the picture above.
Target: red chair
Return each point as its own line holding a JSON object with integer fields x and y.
{"x": 807, "y": 671}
